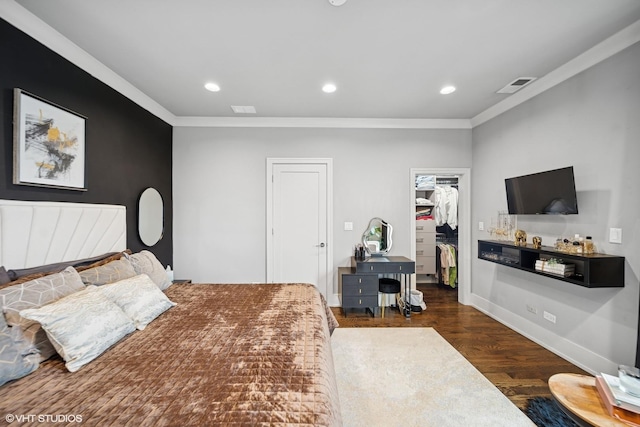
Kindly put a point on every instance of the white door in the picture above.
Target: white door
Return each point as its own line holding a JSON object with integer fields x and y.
{"x": 298, "y": 247}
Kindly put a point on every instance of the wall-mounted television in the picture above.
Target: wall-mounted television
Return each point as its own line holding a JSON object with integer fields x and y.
{"x": 551, "y": 192}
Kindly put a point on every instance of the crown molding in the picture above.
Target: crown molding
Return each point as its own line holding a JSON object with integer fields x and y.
{"x": 33, "y": 26}
{"x": 320, "y": 122}
{"x": 603, "y": 50}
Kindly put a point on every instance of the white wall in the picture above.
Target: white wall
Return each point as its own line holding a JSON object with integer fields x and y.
{"x": 219, "y": 189}
{"x": 592, "y": 122}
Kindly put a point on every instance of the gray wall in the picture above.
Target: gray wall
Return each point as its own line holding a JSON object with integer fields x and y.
{"x": 219, "y": 189}
{"x": 592, "y": 122}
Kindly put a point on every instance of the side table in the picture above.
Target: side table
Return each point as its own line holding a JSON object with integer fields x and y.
{"x": 579, "y": 398}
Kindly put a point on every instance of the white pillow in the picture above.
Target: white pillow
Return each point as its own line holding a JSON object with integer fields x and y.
{"x": 145, "y": 262}
{"x": 82, "y": 326}
{"x": 139, "y": 297}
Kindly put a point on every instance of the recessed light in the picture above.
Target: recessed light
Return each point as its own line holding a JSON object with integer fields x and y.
{"x": 212, "y": 87}
{"x": 329, "y": 88}
{"x": 447, "y": 90}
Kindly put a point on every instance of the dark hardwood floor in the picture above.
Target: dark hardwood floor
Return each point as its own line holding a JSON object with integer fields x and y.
{"x": 516, "y": 365}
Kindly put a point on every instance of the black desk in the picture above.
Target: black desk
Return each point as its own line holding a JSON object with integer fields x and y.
{"x": 396, "y": 265}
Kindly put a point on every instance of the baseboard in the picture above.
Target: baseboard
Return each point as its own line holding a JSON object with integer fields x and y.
{"x": 568, "y": 350}
{"x": 334, "y": 300}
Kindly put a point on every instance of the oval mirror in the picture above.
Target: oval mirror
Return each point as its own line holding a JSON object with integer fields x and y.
{"x": 150, "y": 216}
{"x": 377, "y": 237}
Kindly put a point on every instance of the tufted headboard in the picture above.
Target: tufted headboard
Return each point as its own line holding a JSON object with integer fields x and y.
{"x": 37, "y": 233}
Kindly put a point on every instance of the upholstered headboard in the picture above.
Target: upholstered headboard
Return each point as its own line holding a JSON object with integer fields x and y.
{"x": 37, "y": 233}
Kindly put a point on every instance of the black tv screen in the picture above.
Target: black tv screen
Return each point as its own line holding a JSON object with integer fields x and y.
{"x": 552, "y": 192}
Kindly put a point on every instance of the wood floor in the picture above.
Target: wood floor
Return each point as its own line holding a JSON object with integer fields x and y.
{"x": 516, "y": 365}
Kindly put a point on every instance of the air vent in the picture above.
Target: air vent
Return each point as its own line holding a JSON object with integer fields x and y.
{"x": 516, "y": 85}
{"x": 243, "y": 109}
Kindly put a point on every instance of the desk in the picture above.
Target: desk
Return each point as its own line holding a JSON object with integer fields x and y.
{"x": 579, "y": 399}
{"x": 396, "y": 265}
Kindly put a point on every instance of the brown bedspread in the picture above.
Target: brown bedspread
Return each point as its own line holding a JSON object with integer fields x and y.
{"x": 232, "y": 355}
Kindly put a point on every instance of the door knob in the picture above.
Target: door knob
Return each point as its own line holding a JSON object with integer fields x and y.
{"x": 321, "y": 245}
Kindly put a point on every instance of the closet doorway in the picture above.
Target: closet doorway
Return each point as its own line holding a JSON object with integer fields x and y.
{"x": 422, "y": 205}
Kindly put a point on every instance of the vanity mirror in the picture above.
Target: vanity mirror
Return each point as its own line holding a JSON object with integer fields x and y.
{"x": 150, "y": 216}
{"x": 377, "y": 237}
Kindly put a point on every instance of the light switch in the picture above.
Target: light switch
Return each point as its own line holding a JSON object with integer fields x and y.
{"x": 615, "y": 235}
{"x": 481, "y": 226}
{"x": 348, "y": 226}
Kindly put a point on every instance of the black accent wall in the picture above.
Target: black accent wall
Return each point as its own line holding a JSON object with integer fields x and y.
{"x": 128, "y": 149}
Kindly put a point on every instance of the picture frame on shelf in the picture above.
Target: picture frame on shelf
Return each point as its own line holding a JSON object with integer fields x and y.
{"x": 49, "y": 144}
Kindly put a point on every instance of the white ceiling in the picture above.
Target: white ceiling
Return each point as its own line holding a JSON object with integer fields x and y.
{"x": 388, "y": 58}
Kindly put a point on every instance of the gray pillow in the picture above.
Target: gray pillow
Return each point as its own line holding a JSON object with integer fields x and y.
{"x": 4, "y": 277}
{"x": 108, "y": 273}
{"x": 56, "y": 267}
{"x": 16, "y": 361}
{"x": 144, "y": 262}
{"x": 33, "y": 294}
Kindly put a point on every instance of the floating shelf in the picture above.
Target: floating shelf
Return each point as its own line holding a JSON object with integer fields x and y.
{"x": 590, "y": 270}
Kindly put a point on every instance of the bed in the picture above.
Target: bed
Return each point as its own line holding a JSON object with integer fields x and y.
{"x": 221, "y": 354}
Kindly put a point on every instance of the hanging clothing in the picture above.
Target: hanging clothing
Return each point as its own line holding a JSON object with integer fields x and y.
{"x": 445, "y": 209}
{"x": 448, "y": 271}
{"x": 453, "y": 268}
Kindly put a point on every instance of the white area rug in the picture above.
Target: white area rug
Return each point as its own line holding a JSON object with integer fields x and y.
{"x": 413, "y": 377}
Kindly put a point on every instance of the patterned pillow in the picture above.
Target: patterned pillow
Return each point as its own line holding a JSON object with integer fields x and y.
{"x": 82, "y": 326}
{"x": 144, "y": 262}
{"x": 16, "y": 361}
{"x": 33, "y": 294}
{"x": 139, "y": 298}
{"x": 108, "y": 273}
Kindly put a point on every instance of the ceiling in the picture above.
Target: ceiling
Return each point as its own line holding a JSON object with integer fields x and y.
{"x": 388, "y": 59}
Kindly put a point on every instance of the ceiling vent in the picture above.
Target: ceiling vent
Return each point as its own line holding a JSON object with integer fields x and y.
{"x": 516, "y": 85}
{"x": 243, "y": 109}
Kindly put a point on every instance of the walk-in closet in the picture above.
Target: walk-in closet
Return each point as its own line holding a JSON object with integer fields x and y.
{"x": 436, "y": 229}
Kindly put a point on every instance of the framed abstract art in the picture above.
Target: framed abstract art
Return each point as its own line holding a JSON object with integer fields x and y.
{"x": 48, "y": 144}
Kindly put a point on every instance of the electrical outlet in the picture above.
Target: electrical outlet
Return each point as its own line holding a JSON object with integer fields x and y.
{"x": 550, "y": 317}
{"x": 532, "y": 309}
{"x": 348, "y": 226}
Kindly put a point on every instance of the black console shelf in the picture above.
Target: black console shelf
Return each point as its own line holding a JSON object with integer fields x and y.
{"x": 591, "y": 271}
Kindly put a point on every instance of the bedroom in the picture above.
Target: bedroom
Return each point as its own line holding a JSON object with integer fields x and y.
{"x": 588, "y": 121}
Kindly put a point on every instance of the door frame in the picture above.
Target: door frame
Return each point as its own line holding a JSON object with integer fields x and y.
{"x": 328, "y": 162}
{"x": 464, "y": 219}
